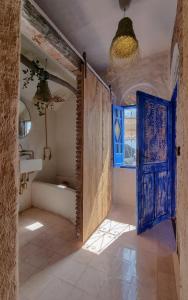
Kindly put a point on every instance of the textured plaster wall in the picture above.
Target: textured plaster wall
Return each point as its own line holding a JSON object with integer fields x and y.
{"x": 9, "y": 76}
{"x": 181, "y": 36}
{"x": 66, "y": 141}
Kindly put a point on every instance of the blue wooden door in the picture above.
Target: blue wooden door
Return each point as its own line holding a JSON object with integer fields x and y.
{"x": 154, "y": 160}
{"x": 174, "y": 158}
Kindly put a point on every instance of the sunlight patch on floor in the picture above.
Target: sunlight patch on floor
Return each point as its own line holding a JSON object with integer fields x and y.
{"x": 107, "y": 233}
{"x": 34, "y": 226}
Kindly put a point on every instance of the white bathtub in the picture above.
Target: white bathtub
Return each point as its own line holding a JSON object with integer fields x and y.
{"x": 54, "y": 198}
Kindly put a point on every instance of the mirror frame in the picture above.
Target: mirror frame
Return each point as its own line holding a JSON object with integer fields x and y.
{"x": 22, "y": 137}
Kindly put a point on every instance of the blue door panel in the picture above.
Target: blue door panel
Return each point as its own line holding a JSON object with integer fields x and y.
{"x": 155, "y": 167}
{"x": 154, "y": 160}
{"x": 118, "y": 135}
{"x": 155, "y": 133}
{"x": 174, "y": 158}
{"x": 161, "y": 194}
{"x": 148, "y": 193}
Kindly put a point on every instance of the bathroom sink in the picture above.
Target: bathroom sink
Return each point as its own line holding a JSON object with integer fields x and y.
{"x": 30, "y": 165}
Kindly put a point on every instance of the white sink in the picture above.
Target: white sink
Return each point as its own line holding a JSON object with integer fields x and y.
{"x": 30, "y": 165}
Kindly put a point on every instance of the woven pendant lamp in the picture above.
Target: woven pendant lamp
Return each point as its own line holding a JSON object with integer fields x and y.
{"x": 124, "y": 47}
{"x": 42, "y": 97}
{"x": 43, "y": 92}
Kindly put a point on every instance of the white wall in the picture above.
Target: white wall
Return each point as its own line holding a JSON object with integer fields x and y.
{"x": 55, "y": 199}
{"x": 61, "y": 133}
{"x": 35, "y": 141}
{"x": 62, "y": 141}
{"x": 25, "y": 198}
{"x": 66, "y": 141}
{"x": 124, "y": 186}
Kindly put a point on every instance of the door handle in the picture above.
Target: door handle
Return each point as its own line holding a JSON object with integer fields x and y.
{"x": 178, "y": 151}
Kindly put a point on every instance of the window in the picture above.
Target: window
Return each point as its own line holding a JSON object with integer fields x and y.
{"x": 130, "y": 136}
{"x": 124, "y": 136}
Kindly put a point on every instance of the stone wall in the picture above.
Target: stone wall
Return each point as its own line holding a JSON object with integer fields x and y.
{"x": 181, "y": 37}
{"x": 9, "y": 75}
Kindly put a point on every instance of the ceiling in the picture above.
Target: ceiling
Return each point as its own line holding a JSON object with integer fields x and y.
{"x": 91, "y": 24}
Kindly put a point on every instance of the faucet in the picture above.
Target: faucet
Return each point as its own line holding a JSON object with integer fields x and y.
{"x": 24, "y": 178}
{"x": 29, "y": 153}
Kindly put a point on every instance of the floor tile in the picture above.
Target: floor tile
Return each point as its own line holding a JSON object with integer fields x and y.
{"x": 56, "y": 290}
{"x": 83, "y": 256}
{"x": 69, "y": 270}
{"x": 166, "y": 286}
{"x": 141, "y": 293}
{"x": 115, "y": 264}
{"x": 36, "y": 284}
{"x": 114, "y": 289}
{"x": 91, "y": 281}
{"x": 26, "y": 271}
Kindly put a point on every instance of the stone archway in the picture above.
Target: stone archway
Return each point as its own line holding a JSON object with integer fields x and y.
{"x": 152, "y": 70}
{"x": 129, "y": 96}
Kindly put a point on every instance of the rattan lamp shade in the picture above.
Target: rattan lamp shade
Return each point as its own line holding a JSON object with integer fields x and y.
{"x": 43, "y": 93}
{"x": 125, "y": 44}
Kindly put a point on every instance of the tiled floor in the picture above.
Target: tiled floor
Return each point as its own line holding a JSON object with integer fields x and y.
{"x": 115, "y": 264}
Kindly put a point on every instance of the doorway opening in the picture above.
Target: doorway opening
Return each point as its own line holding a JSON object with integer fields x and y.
{"x": 47, "y": 139}
{"x": 151, "y": 150}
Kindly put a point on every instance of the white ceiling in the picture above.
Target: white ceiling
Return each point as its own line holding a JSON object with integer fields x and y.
{"x": 91, "y": 24}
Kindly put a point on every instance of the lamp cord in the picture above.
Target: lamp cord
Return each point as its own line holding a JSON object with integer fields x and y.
{"x": 46, "y": 132}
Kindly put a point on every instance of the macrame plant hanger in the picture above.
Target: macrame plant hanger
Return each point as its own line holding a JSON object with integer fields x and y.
{"x": 47, "y": 154}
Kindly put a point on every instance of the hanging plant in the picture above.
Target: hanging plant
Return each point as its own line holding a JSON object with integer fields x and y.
{"x": 35, "y": 70}
{"x": 43, "y": 98}
{"x": 40, "y": 101}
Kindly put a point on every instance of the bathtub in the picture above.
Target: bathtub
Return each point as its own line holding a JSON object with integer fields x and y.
{"x": 55, "y": 198}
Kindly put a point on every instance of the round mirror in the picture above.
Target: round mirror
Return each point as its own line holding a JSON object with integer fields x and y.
{"x": 24, "y": 120}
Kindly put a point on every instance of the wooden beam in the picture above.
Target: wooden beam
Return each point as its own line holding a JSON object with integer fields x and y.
{"x": 52, "y": 77}
{"x": 37, "y": 28}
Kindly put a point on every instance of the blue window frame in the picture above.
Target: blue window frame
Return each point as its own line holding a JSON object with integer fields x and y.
{"x": 124, "y": 136}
